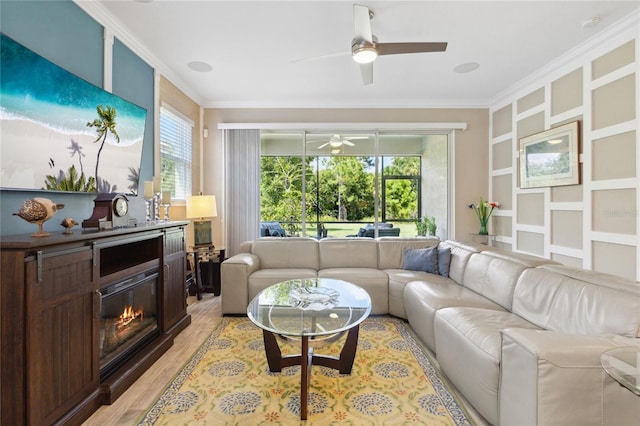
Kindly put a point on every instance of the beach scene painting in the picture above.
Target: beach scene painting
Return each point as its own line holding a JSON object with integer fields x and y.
{"x": 59, "y": 132}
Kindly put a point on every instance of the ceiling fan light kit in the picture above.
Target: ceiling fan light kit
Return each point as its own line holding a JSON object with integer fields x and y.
{"x": 363, "y": 52}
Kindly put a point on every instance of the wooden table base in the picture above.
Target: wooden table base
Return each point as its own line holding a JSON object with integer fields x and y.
{"x": 343, "y": 363}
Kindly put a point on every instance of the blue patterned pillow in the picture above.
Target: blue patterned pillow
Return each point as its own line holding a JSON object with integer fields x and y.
{"x": 425, "y": 259}
{"x": 444, "y": 259}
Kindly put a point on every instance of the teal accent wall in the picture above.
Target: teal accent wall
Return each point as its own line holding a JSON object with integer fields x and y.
{"x": 59, "y": 31}
{"x": 63, "y": 33}
{"x": 133, "y": 81}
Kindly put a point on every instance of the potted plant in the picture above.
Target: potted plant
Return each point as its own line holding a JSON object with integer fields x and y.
{"x": 431, "y": 226}
{"x": 426, "y": 225}
{"x": 421, "y": 227}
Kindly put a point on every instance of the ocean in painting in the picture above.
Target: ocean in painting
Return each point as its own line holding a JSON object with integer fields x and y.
{"x": 44, "y": 111}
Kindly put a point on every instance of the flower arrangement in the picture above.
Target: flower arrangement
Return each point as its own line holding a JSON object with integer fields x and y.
{"x": 483, "y": 210}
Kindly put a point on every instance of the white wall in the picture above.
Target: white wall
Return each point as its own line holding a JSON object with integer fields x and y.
{"x": 470, "y": 155}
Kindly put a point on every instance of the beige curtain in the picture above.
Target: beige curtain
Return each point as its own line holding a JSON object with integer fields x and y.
{"x": 242, "y": 187}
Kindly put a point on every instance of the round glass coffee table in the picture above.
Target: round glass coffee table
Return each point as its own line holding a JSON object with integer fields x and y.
{"x": 315, "y": 310}
{"x": 623, "y": 364}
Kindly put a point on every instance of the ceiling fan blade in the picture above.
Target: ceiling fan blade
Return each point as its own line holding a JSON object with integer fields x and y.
{"x": 323, "y": 145}
{"x": 353, "y": 138}
{"x": 366, "y": 70}
{"x": 362, "y": 22}
{"x": 399, "y": 48}
{"x": 346, "y": 142}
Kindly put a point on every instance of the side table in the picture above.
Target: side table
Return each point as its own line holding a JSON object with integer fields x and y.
{"x": 483, "y": 239}
{"x": 623, "y": 364}
{"x": 206, "y": 261}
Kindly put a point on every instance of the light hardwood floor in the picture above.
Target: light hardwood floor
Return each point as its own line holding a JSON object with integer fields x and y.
{"x": 206, "y": 314}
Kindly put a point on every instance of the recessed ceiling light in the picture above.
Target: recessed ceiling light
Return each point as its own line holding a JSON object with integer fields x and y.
{"x": 200, "y": 66}
{"x": 466, "y": 67}
{"x": 591, "y": 22}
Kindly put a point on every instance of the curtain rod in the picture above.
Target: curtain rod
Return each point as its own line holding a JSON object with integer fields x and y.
{"x": 369, "y": 127}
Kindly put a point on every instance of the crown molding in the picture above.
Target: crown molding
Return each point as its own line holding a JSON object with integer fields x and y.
{"x": 592, "y": 48}
{"x": 357, "y": 104}
{"x": 96, "y": 11}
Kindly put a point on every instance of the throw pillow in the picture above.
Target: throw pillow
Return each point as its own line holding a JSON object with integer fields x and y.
{"x": 425, "y": 259}
{"x": 444, "y": 260}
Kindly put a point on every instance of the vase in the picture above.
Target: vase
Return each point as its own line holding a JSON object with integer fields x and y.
{"x": 483, "y": 229}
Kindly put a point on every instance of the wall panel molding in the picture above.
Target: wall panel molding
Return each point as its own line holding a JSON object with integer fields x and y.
{"x": 616, "y": 75}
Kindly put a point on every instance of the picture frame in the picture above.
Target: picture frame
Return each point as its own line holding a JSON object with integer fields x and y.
{"x": 551, "y": 158}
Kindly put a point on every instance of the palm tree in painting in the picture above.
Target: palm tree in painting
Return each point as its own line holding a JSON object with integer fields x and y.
{"x": 134, "y": 178}
{"x": 76, "y": 149}
{"x": 104, "y": 124}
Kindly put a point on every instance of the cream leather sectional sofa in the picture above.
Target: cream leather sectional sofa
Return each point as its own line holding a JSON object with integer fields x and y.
{"x": 520, "y": 337}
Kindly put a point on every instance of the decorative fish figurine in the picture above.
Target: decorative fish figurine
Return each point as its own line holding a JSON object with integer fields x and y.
{"x": 38, "y": 211}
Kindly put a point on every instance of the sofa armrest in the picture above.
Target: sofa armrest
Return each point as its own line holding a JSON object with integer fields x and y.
{"x": 235, "y": 273}
{"x": 548, "y": 377}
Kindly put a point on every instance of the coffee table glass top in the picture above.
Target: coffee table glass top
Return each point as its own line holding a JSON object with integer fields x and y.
{"x": 310, "y": 307}
{"x": 623, "y": 364}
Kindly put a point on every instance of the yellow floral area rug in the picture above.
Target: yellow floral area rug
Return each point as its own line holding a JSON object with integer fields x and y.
{"x": 228, "y": 382}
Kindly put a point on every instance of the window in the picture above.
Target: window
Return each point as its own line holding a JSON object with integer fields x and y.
{"x": 311, "y": 186}
{"x": 175, "y": 152}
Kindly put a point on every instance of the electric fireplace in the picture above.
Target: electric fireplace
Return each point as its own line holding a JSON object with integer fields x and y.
{"x": 129, "y": 318}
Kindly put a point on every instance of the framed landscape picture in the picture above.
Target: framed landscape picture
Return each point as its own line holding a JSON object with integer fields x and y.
{"x": 551, "y": 158}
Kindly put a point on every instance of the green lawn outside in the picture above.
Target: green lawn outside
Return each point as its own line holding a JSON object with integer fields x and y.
{"x": 336, "y": 230}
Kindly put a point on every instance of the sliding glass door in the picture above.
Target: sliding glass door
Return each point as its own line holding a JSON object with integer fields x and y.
{"x": 351, "y": 184}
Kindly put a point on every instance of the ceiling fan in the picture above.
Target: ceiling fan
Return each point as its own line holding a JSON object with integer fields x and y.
{"x": 337, "y": 141}
{"x": 365, "y": 47}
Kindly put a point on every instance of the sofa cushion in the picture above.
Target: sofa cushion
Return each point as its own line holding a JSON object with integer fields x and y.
{"x": 493, "y": 277}
{"x": 282, "y": 253}
{"x": 469, "y": 346}
{"x": 444, "y": 259}
{"x": 373, "y": 281}
{"x": 577, "y": 301}
{"x": 391, "y": 249}
{"x": 398, "y": 279}
{"x": 423, "y": 298}
{"x": 425, "y": 259}
{"x": 460, "y": 254}
{"x": 348, "y": 253}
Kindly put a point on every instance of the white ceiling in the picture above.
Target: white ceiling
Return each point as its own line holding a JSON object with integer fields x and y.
{"x": 252, "y": 47}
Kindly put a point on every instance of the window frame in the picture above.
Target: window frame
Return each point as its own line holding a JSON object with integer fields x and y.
{"x": 184, "y": 130}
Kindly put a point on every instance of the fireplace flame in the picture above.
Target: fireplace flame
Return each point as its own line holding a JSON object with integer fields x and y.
{"x": 129, "y": 315}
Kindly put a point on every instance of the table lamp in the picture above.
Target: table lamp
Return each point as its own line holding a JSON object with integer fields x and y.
{"x": 200, "y": 207}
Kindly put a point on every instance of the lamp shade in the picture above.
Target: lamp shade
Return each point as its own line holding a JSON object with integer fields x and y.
{"x": 201, "y": 206}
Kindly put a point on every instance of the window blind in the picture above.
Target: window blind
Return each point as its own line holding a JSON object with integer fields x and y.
{"x": 175, "y": 153}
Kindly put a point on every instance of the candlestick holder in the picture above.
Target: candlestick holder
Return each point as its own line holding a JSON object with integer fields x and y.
{"x": 166, "y": 212}
{"x": 149, "y": 205}
{"x": 156, "y": 207}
